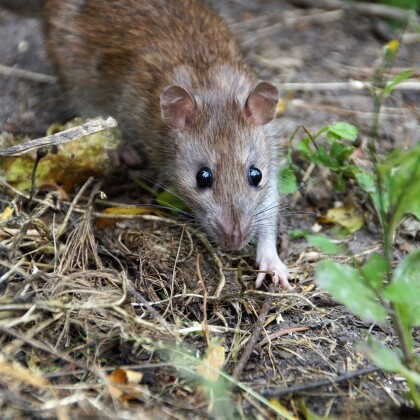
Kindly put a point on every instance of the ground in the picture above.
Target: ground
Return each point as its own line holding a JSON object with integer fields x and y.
{"x": 75, "y": 307}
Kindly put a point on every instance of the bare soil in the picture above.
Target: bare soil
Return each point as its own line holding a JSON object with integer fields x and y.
{"x": 76, "y": 307}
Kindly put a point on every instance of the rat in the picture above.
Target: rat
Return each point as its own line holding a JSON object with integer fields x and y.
{"x": 172, "y": 75}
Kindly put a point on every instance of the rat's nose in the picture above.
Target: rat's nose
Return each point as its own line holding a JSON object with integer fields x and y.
{"x": 232, "y": 235}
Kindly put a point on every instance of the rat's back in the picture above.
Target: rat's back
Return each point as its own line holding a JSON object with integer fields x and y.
{"x": 101, "y": 47}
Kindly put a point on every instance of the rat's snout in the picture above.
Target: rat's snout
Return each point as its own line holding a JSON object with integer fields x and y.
{"x": 232, "y": 234}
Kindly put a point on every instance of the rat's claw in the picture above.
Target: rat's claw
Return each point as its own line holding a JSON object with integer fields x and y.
{"x": 273, "y": 264}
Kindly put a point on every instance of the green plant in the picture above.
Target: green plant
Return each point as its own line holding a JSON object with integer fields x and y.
{"x": 334, "y": 154}
{"x": 404, "y": 4}
{"x": 376, "y": 291}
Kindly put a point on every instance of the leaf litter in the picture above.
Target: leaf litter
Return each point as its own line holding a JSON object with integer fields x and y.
{"x": 81, "y": 300}
{"x": 83, "y": 303}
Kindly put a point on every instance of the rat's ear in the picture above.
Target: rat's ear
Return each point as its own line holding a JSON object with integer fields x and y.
{"x": 177, "y": 107}
{"x": 260, "y": 107}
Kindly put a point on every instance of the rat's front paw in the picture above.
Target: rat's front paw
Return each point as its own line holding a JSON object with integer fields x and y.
{"x": 274, "y": 267}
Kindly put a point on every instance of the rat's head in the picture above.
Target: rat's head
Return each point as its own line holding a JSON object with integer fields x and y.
{"x": 222, "y": 161}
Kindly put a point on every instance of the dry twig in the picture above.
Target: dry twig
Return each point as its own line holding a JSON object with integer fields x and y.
{"x": 204, "y": 323}
{"x": 255, "y": 333}
{"x": 216, "y": 259}
{"x": 301, "y": 388}
{"x": 345, "y": 86}
{"x": 277, "y": 334}
{"x": 26, "y": 74}
{"x": 147, "y": 305}
{"x": 73, "y": 133}
{"x": 264, "y": 311}
{"x": 369, "y": 9}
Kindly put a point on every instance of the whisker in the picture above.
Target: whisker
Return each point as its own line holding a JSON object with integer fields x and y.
{"x": 268, "y": 208}
{"x": 169, "y": 206}
{"x": 153, "y": 180}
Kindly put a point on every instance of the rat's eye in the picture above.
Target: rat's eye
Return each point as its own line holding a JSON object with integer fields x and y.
{"x": 204, "y": 178}
{"x": 254, "y": 176}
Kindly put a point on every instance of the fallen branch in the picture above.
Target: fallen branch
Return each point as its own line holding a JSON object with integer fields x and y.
{"x": 27, "y": 74}
{"x": 280, "y": 333}
{"x": 255, "y": 333}
{"x": 66, "y": 136}
{"x": 311, "y": 385}
{"x": 368, "y": 9}
{"x": 350, "y": 86}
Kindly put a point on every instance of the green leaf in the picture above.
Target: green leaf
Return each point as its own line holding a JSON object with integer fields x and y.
{"x": 382, "y": 356}
{"x": 332, "y": 138}
{"x": 344, "y": 130}
{"x": 396, "y": 80}
{"x": 339, "y": 183}
{"x": 386, "y": 359}
{"x": 296, "y": 233}
{"x": 341, "y": 152}
{"x": 347, "y": 287}
{"x": 170, "y": 200}
{"x": 325, "y": 244}
{"x": 405, "y": 289}
{"x": 415, "y": 316}
{"x": 402, "y": 293}
{"x": 367, "y": 183}
{"x": 287, "y": 181}
{"x": 305, "y": 149}
{"x": 365, "y": 180}
{"x": 411, "y": 375}
{"x": 409, "y": 204}
{"x": 323, "y": 157}
{"x": 407, "y": 300}
{"x": 400, "y": 174}
{"x": 374, "y": 270}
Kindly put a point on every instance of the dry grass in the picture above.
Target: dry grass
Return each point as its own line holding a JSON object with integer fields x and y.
{"x": 78, "y": 301}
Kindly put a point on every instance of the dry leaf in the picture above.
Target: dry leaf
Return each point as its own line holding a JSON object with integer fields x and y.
{"x": 213, "y": 361}
{"x": 62, "y": 194}
{"x": 270, "y": 319}
{"x": 134, "y": 377}
{"x": 125, "y": 211}
{"x": 347, "y": 217}
{"x": 281, "y": 107}
{"x": 71, "y": 164}
{"x": 126, "y": 382}
{"x": 14, "y": 371}
{"x": 280, "y": 407}
{"x": 7, "y": 214}
{"x": 119, "y": 377}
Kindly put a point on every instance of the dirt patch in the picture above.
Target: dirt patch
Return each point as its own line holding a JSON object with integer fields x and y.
{"x": 76, "y": 307}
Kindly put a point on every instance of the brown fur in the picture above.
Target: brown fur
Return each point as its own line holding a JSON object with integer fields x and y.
{"x": 117, "y": 57}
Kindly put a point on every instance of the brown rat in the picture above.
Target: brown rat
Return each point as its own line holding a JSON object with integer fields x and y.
{"x": 171, "y": 74}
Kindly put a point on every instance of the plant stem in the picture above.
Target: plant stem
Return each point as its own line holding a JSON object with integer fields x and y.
{"x": 402, "y": 337}
{"x": 383, "y": 214}
{"x": 414, "y": 393}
